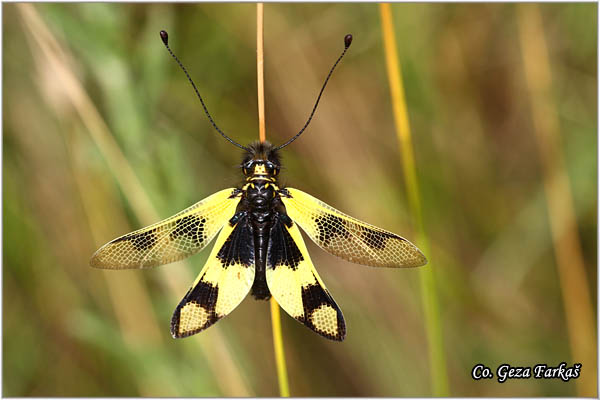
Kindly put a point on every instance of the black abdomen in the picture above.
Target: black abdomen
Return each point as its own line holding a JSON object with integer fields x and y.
{"x": 260, "y": 203}
{"x": 260, "y": 290}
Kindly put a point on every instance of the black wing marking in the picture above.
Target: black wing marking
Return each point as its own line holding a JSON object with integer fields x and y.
{"x": 172, "y": 239}
{"x": 295, "y": 284}
{"x": 347, "y": 237}
{"x": 222, "y": 284}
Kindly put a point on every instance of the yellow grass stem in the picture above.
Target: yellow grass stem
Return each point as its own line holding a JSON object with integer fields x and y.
{"x": 284, "y": 386}
{"x": 437, "y": 358}
{"x": 282, "y": 377}
{"x": 563, "y": 223}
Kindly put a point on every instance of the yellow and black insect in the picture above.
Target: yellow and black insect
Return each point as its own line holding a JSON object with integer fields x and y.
{"x": 259, "y": 248}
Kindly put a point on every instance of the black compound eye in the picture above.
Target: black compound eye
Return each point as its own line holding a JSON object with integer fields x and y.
{"x": 249, "y": 164}
{"x": 272, "y": 168}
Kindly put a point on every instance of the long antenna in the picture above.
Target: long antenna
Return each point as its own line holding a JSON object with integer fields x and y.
{"x": 165, "y": 39}
{"x": 347, "y": 42}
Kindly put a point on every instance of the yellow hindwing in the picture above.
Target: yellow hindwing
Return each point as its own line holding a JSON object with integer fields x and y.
{"x": 295, "y": 284}
{"x": 222, "y": 284}
{"x": 347, "y": 237}
{"x": 172, "y": 239}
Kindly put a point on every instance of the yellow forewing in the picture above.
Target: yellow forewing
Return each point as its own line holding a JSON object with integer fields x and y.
{"x": 170, "y": 240}
{"x": 347, "y": 237}
{"x": 295, "y": 284}
{"x": 221, "y": 285}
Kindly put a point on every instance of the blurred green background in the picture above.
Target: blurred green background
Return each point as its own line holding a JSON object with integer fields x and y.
{"x": 103, "y": 134}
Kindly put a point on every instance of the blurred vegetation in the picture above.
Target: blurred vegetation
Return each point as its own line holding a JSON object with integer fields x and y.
{"x": 103, "y": 134}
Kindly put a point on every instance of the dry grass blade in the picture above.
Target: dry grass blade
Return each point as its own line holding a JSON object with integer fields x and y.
{"x": 222, "y": 362}
{"x": 563, "y": 224}
{"x": 260, "y": 71}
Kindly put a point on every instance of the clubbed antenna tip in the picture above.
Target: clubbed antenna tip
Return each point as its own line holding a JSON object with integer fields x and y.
{"x": 165, "y": 37}
{"x": 347, "y": 43}
{"x": 347, "y": 39}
